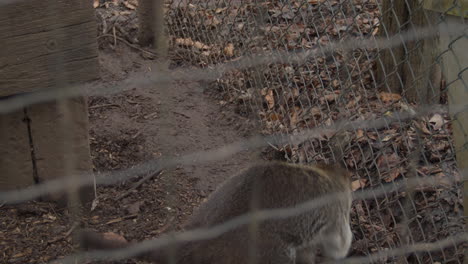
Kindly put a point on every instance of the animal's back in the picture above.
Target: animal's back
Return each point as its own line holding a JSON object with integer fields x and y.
{"x": 277, "y": 184}
{"x": 274, "y": 185}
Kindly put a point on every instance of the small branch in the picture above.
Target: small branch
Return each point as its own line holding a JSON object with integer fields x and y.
{"x": 138, "y": 184}
{"x": 104, "y": 105}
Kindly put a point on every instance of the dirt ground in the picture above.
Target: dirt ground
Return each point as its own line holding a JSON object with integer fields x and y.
{"x": 143, "y": 124}
{"x": 127, "y": 129}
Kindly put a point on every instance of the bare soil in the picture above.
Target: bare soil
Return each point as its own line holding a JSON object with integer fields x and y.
{"x": 126, "y": 129}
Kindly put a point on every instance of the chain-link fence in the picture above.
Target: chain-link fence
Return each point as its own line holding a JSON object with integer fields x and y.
{"x": 321, "y": 67}
{"x": 345, "y": 85}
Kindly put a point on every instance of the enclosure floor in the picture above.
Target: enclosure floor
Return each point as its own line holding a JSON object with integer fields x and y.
{"x": 135, "y": 126}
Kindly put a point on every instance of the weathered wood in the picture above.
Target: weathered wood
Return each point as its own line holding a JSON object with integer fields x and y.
{"x": 410, "y": 68}
{"x": 33, "y": 34}
{"x": 390, "y": 61}
{"x": 421, "y": 72}
{"x": 449, "y": 7}
{"x": 152, "y": 25}
{"x": 48, "y": 44}
{"x": 16, "y": 167}
{"x": 50, "y": 141}
{"x": 455, "y": 63}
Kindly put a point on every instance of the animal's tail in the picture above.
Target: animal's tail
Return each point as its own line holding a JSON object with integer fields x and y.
{"x": 91, "y": 240}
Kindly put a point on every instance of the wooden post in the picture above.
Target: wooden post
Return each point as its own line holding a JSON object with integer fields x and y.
{"x": 455, "y": 64}
{"x": 410, "y": 68}
{"x": 391, "y": 60}
{"x": 151, "y": 25}
{"x": 38, "y": 44}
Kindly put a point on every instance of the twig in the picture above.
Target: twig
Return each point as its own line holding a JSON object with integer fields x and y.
{"x": 120, "y": 219}
{"x": 127, "y": 43}
{"x": 104, "y": 105}
{"x": 67, "y": 234}
{"x": 138, "y": 184}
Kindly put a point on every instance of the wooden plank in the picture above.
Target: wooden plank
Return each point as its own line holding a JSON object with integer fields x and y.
{"x": 16, "y": 165}
{"x": 390, "y": 61}
{"x": 455, "y": 62}
{"x": 50, "y": 141}
{"x": 35, "y": 32}
{"x": 460, "y": 8}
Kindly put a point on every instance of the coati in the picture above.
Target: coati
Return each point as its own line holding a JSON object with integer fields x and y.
{"x": 267, "y": 185}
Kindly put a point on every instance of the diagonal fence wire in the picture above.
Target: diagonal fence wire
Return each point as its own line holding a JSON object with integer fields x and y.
{"x": 16, "y": 102}
{"x": 262, "y": 215}
{"x": 53, "y": 186}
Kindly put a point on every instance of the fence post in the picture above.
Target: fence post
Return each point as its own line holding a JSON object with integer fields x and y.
{"x": 409, "y": 68}
{"x": 151, "y": 25}
{"x": 455, "y": 69}
{"x": 34, "y": 36}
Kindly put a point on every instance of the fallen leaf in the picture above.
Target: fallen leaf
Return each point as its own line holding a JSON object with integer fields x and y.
{"x": 389, "y": 97}
{"x": 200, "y": 46}
{"x": 114, "y": 237}
{"x": 387, "y": 138}
{"x": 330, "y": 97}
{"x": 394, "y": 173}
{"x": 135, "y": 207}
{"x": 358, "y": 184}
{"x": 94, "y": 204}
{"x": 422, "y": 127}
{"x": 352, "y": 103}
{"x": 274, "y": 117}
{"x": 437, "y": 121}
{"x": 359, "y": 134}
{"x": 388, "y": 161}
{"x": 190, "y": 43}
{"x": 129, "y": 6}
{"x": 270, "y": 99}
{"x": 294, "y": 117}
{"x": 229, "y": 50}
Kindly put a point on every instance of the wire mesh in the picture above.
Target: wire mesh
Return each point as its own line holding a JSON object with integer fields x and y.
{"x": 288, "y": 98}
{"x": 354, "y": 84}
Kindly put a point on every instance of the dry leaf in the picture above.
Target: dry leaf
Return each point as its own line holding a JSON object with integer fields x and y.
{"x": 114, "y": 237}
{"x": 389, "y": 97}
{"x": 388, "y": 161}
{"x": 274, "y": 117}
{"x": 294, "y": 116}
{"x": 270, "y": 99}
{"x": 229, "y": 50}
{"x": 335, "y": 83}
{"x": 190, "y": 43}
{"x": 358, "y": 184}
{"x": 129, "y": 6}
{"x": 387, "y": 138}
{"x": 422, "y": 127}
{"x": 212, "y": 21}
{"x": 437, "y": 121}
{"x": 353, "y": 102}
{"x": 220, "y": 10}
{"x": 375, "y": 31}
{"x": 359, "y": 133}
{"x": 330, "y": 97}
{"x": 394, "y": 173}
{"x": 200, "y": 46}
{"x": 184, "y": 41}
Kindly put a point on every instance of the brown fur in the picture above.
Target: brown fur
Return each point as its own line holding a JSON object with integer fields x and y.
{"x": 291, "y": 240}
